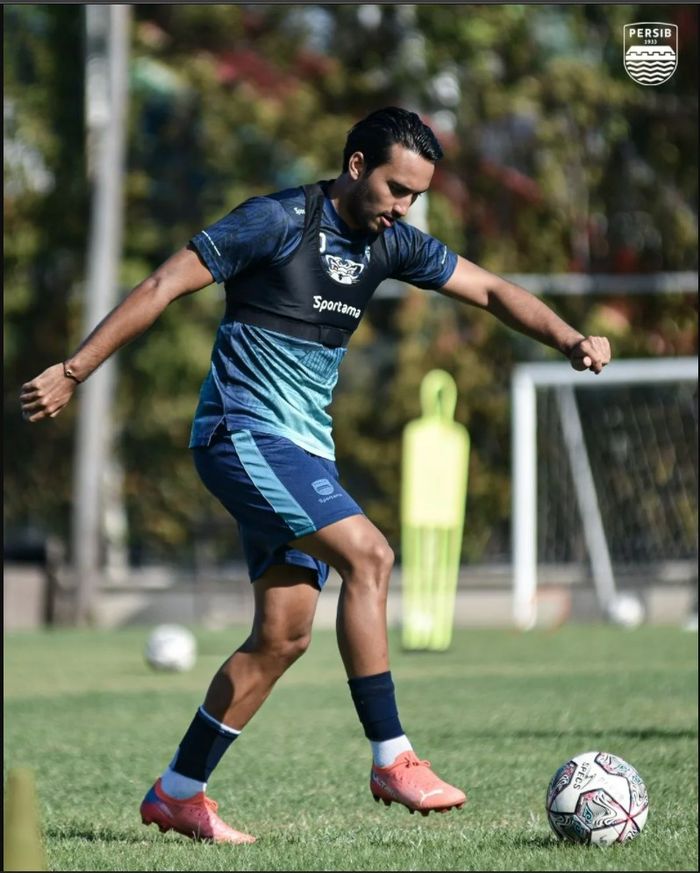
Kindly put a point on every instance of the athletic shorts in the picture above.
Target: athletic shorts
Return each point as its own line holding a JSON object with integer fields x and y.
{"x": 277, "y": 492}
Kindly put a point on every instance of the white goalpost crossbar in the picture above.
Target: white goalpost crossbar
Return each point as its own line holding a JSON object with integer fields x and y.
{"x": 525, "y": 381}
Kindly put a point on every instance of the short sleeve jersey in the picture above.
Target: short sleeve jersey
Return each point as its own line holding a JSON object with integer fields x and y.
{"x": 263, "y": 380}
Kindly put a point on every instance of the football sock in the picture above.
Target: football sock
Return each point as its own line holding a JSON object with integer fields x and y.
{"x": 384, "y": 752}
{"x": 375, "y": 703}
{"x": 180, "y": 787}
{"x": 200, "y": 751}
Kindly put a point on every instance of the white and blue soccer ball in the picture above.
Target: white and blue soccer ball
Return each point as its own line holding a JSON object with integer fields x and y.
{"x": 171, "y": 647}
{"x": 597, "y": 799}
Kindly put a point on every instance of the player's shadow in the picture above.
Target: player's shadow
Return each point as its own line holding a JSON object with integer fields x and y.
{"x": 94, "y": 835}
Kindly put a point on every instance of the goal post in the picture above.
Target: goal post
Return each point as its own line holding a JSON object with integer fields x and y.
{"x": 616, "y": 400}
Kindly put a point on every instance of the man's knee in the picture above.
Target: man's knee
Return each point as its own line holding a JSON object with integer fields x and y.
{"x": 292, "y": 648}
{"x": 281, "y": 650}
{"x": 372, "y": 560}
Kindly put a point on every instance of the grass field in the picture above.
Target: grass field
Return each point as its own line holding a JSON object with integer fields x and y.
{"x": 496, "y": 715}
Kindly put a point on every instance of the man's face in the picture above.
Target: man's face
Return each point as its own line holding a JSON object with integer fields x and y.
{"x": 379, "y": 198}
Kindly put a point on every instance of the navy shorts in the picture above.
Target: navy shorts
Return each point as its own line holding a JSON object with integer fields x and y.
{"x": 277, "y": 492}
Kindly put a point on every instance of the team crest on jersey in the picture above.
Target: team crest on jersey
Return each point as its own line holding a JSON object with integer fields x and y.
{"x": 344, "y": 271}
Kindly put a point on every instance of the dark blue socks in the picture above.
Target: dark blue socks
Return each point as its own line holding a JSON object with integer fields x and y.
{"x": 375, "y": 703}
{"x": 202, "y": 746}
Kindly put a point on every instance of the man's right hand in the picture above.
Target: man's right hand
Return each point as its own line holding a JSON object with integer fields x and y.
{"x": 47, "y": 394}
{"x": 183, "y": 273}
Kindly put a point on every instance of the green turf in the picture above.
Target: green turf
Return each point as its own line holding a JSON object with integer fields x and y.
{"x": 496, "y": 715}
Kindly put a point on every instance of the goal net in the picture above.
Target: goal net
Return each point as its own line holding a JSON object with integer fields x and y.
{"x": 604, "y": 475}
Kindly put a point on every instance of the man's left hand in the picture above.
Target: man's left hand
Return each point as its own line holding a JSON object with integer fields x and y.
{"x": 590, "y": 353}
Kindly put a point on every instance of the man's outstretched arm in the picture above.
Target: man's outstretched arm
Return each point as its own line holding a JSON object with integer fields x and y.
{"x": 47, "y": 394}
{"x": 525, "y": 313}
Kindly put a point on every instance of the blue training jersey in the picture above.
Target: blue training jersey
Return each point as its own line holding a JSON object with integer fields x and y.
{"x": 265, "y": 381}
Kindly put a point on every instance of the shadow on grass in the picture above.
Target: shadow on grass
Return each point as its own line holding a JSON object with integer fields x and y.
{"x": 538, "y": 841}
{"x": 96, "y": 835}
{"x": 594, "y": 734}
{"x": 549, "y": 841}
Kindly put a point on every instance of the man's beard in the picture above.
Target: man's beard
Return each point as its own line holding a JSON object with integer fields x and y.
{"x": 357, "y": 209}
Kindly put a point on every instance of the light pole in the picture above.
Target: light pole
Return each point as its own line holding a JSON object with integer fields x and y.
{"x": 107, "y": 31}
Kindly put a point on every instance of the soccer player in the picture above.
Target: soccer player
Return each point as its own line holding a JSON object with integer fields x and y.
{"x": 299, "y": 267}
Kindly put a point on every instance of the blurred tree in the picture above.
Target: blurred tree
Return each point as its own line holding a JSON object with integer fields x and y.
{"x": 45, "y": 210}
{"x": 548, "y": 153}
{"x": 555, "y": 161}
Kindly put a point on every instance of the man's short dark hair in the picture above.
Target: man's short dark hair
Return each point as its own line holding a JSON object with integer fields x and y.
{"x": 378, "y": 132}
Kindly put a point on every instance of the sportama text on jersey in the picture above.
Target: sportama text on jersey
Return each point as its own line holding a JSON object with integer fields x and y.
{"x": 269, "y": 257}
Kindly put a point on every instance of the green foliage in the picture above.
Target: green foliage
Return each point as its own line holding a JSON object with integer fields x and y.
{"x": 555, "y": 161}
{"x": 45, "y": 212}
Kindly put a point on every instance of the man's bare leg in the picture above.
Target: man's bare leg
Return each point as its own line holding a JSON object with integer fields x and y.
{"x": 364, "y": 559}
{"x": 285, "y": 604}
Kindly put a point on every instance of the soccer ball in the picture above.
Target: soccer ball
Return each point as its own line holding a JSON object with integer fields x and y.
{"x": 171, "y": 647}
{"x": 597, "y": 799}
{"x": 626, "y": 610}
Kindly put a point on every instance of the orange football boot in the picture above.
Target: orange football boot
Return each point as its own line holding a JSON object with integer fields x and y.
{"x": 411, "y": 782}
{"x": 195, "y": 817}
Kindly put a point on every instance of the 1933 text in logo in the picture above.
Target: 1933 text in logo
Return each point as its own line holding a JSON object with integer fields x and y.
{"x": 650, "y": 51}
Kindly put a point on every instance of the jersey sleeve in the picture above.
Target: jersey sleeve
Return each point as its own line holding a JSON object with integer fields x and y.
{"x": 258, "y": 230}
{"x": 420, "y": 259}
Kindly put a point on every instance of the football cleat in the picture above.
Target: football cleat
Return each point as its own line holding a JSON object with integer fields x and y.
{"x": 411, "y": 782}
{"x": 195, "y": 817}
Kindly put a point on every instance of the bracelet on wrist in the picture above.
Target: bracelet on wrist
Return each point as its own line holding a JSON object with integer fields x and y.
{"x": 69, "y": 374}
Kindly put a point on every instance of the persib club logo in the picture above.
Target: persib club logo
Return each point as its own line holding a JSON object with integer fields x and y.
{"x": 322, "y": 486}
{"x": 651, "y": 51}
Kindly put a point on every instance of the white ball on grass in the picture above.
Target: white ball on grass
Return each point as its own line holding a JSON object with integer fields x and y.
{"x": 626, "y": 610}
{"x": 171, "y": 647}
{"x": 597, "y": 799}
